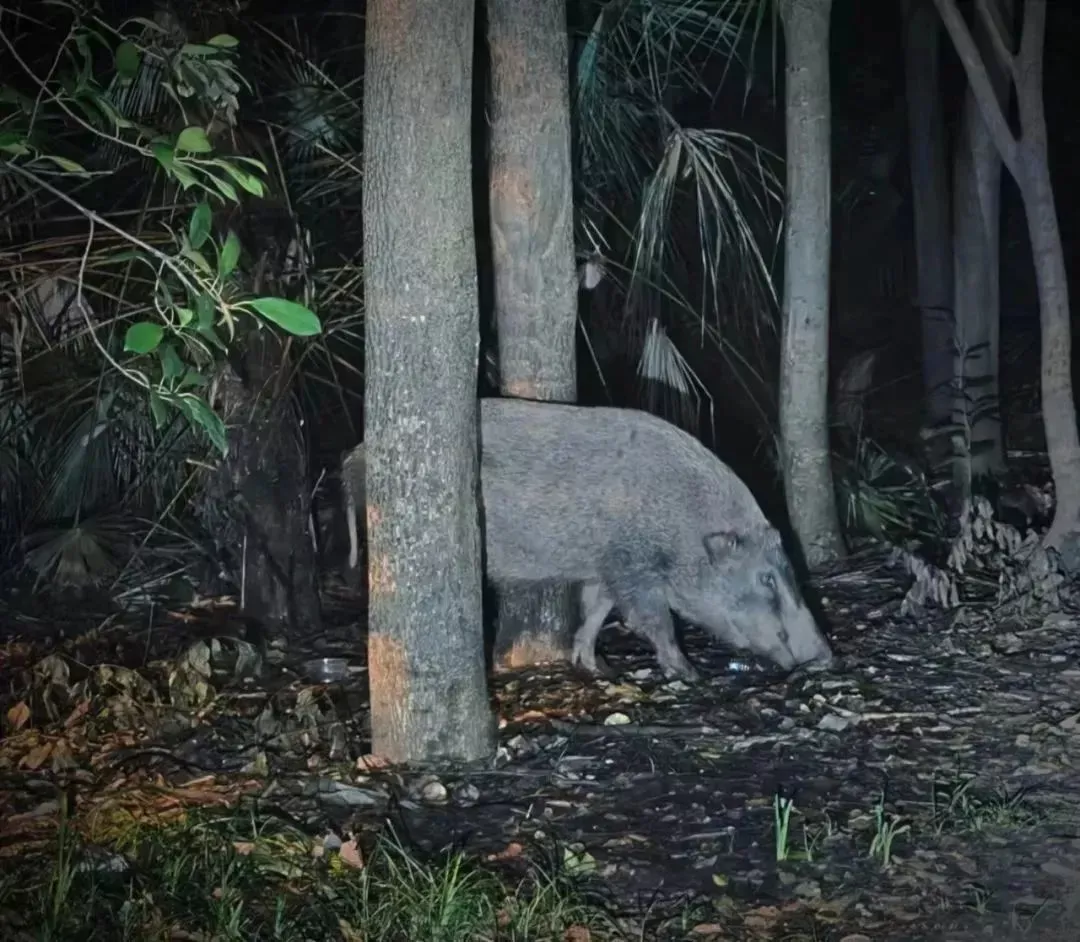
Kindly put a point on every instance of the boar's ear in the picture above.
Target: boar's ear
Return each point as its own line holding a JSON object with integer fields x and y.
{"x": 721, "y": 545}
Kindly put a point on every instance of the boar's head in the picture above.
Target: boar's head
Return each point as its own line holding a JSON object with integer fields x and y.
{"x": 745, "y": 595}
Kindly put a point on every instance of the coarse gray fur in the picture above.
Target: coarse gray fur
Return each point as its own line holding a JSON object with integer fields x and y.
{"x": 644, "y": 517}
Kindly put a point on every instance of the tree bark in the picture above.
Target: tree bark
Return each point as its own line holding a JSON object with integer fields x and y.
{"x": 532, "y": 235}
{"x": 977, "y": 306}
{"x": 267, "y": 542}
{"x": 930, "y": 189}
{"x": 425, "y": 647}
{"x": 804, "y": 364}
{"x": 1028, "y": 162}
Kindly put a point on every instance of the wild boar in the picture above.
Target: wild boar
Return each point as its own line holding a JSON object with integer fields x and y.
{"x": 644, "y": 517}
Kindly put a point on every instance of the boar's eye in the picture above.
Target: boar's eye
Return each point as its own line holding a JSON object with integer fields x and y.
{"x": 768, "y": 580}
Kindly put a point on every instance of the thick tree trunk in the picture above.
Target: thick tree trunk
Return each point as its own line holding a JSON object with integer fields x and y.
{"x": 532, "y": 235}
{"x": 1028, "y": 162}
{"x": 265, "y": 539}
{"x": 804, "y": 364}
{"x": 425, "y": 648}
{"x": 930, "y": 190}
{"x": 977, "y": 223}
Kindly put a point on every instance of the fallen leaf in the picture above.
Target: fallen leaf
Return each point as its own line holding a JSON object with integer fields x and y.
{"x": 512, "y": 850}
{"x": 19, "y": 715}
{"x": 709, "y": 930}
{"x": 36, "y": 757}
{"x": 351, "y": 855}
{"x": 349, "y": 932}
{"x": 762, "y": 918}
{"x": 81, "y": 709}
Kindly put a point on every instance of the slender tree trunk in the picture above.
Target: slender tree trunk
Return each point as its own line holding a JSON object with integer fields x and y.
{"x": 1028, "y": 162}
{"x": 977, "y": 224}
{"x": 930, "y": 189}
{"x": 425, "y": 646}
{"x": 804, "y": 364}
{"x": 532, "y": 235}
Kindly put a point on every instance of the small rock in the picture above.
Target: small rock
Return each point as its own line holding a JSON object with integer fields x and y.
{"x": 434, "y": 793}
{"x": 1008, "y": 643}
{"x": 617, "y": 719}
{"x": 466, "y": 795}
{"x": 522, "y": 747}
{"x": 833, "y": 723}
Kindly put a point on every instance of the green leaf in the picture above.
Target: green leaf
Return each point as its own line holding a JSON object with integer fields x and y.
{"x": 64, "y": 164}
{"x": 164, "y": 154}
{"x": 223, "y": 41}
{"x": 198, "y": 259}
{"x": 226, "y": 188}
{"x": 230, "y": 255}
{"x": 199, "y": 49}
{"x": 193, "y": 140}
{"x": 192, "y": 378}
{"x": 199, "y": 227}
{"x": 16, "y": 149}
{"x": 288, "y": 315}
{"x": 158, "y": 410}
{"x": 127, "y": 60}
{"x": 186, "y": 315}
{"x": 110, "y": 112}
{"x": 205, "y": 417}
{"x": 204, "y": 305}
{"x": 183, "y": 176}
{"x": 143, "y": 337}
{"x": 171, "y": 364}
{"x": 257, "y": 164}
{"x": 210, "y": 334}
{"x": 248, "y": 181}
{"x": 90, "y": 111}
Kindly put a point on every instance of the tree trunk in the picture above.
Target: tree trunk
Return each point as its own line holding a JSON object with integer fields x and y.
{"x": 425, "y": 647}
{"x": 1028, "y": 162}
{"x": 977, "y": 306}
{"x": 930, "y": 189}
{"x": 804, "y": 364}
{"x": 532, "y": 235}
{"x": 267, "y": 541}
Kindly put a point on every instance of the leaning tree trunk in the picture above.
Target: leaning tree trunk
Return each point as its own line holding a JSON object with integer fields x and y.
{"x": 1028, "y": 161}
{"x": 425, "y": 646}
{"x": 977, "y": 223}
{"x": 930, "y": 189}
{"x": 532, "y": 236}
{"x": 804, "y": 364}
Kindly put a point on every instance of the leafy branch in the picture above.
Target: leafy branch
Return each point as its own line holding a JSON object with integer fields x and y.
{"x": 195, "y": 291}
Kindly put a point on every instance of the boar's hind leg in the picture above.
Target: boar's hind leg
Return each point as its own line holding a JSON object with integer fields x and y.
{"x": 648, "y": 614}
{"x": 595, "y": 605}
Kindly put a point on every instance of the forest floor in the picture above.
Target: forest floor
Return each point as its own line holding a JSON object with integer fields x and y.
{"x": 929, "y": 788}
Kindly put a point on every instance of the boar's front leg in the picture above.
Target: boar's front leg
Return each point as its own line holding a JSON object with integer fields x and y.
{"x": 647, "y": 612}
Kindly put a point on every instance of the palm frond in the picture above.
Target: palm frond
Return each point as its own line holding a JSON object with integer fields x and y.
{"x": 641, "y": 171}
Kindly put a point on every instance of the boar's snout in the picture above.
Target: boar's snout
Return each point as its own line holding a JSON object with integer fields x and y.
{"x": 807, "y": 648}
